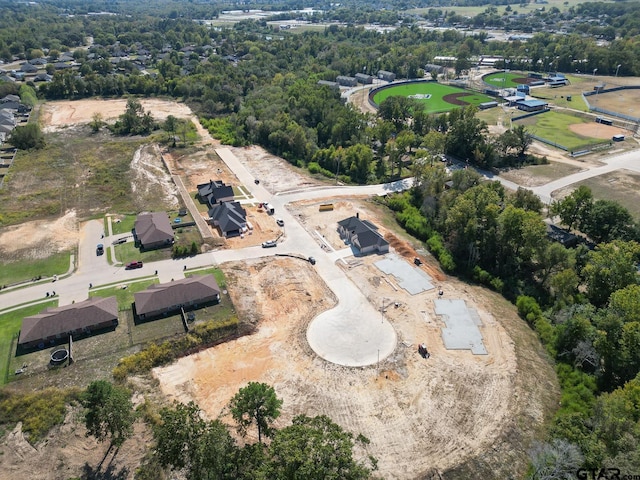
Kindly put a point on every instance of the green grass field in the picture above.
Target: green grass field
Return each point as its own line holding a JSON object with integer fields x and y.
{"x": 13, "y": 272}
{"x": 554, "y": 126}
{"x": 503, "y": 79}
{"x": 434, "y": 104}
{"x": 10, "y": 324}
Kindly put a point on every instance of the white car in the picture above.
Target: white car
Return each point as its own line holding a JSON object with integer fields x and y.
{"x": 269, "y": 244}
{"x": 280, "y": 222}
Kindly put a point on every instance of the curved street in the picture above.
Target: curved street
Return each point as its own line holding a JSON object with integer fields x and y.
{"x": 354, "y": 333}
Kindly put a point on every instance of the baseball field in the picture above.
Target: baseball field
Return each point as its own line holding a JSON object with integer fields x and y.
{"x": 435, "y": 97}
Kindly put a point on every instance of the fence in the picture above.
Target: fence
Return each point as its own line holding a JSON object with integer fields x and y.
{"x": 629, "y": 118}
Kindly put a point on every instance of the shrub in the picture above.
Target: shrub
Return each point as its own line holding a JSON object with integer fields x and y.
{"x": 437, "y": 248}
{"x": 38, "y": 412}
{"x": 528, "y": 308}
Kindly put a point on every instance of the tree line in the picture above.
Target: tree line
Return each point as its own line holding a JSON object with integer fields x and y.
{"x": 187, "y": 443}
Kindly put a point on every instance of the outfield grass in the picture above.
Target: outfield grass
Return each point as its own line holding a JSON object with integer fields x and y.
{"x": 554, "y": 126}
{"x": 434, "y": 104}
{"x": 503, "y": 79}
{"x": 57, "y": 264}
{"x": 10, "y": 324}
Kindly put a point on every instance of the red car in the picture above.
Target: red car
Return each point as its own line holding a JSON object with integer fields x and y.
{"x": 132, "y": 265}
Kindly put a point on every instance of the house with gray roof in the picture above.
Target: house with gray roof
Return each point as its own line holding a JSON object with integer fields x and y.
{"x": 229, "y": 217}
{"x": 54, "y": 325}
{"x": 363, "y": 235}
{"x": 214, "y": 192}
{"x": 153, "y": 230}
{"x": 168, "y": 298}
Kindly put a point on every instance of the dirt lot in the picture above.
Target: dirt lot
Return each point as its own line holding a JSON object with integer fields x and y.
{"x": 452, "y": 411}
{"x": 419, "y": 414}
{"x": 39, "y": 239}
{"x": 63, "y": 114}
{"x": 597, "y": 130}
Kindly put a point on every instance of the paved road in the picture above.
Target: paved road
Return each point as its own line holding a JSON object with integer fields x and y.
{"x": 349, "y": 334}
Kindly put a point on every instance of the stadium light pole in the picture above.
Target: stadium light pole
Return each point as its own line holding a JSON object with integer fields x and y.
{"x": 618, "y": 68}
{"x": 594, "y": 72}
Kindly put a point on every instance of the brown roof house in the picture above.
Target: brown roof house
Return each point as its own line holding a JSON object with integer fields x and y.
{"x": 363, "y": 235}
{"x": 167, "y": 298}
{"x": 153, "y": 230}
{"x": 56, "y": 324}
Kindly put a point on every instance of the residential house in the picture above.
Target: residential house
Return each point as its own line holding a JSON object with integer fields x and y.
{"x": 53, "y": 325}
{"x": 28, "y": 68}
{"x": 168, "y": 298}
{"x": 229, "y": 217}
{"x": 363, "y": 235}
{"x": 10, "y": 98}
{"x": 215, "y": 192}
{"x": 153, "y": 230}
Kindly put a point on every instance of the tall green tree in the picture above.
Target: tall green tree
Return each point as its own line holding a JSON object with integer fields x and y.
{"x": 109, "y": 412}
{"x": 202, "y": 449}
{"x": 257, "y": 404}
{"x": 610, "y": 267}
{"x": 314, "y": 449}
{"x": 575, "y": 208}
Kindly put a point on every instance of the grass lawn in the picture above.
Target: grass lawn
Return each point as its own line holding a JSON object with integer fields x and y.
{"x": 554, "y": 126}
{"x": 25, "y": 270}
{"x": 435, "y": 103}
{"x": 122, "y": 223}
{"x": 124, "y": 295}
{"x": 202, "y": 207}
{"x": 10, "y": 324}
{"x": 216, "y": 272}
{"x": 128, "y": 252}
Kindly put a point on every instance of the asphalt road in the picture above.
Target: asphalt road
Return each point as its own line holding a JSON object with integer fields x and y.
{"x": 354, "y": 333}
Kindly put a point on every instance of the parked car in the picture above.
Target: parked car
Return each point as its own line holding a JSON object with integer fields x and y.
{"x": 280, "y": 222}
{"x": 100, "y": 249}
{"x": 132, "y": 265}
{"x": 119, "y": 241}
{"x": 269, "y": 244}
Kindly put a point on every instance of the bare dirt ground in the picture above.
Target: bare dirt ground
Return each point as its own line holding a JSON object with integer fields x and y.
{"x": 150, "y": 180}
{"x": 275, "y": 174}
{"x": 597, "y": 130}
{"x": 64, "y": 114}
{"x": 419, "y": 414}
{"x": 39, "y": 239}
{"x": 68, "y": 453}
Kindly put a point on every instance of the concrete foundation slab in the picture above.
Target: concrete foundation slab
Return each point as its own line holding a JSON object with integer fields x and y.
{"x": 461, "y": 332}
{"x": 410, "y": 278}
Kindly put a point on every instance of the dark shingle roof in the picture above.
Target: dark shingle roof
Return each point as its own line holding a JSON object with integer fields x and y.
{"x": 153, "y": 227}
{"x": 228, "y": 216}
{"x": 166, "y": 295}
{"x": 60, "y": 320}
{"x": 366, "y": 233}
